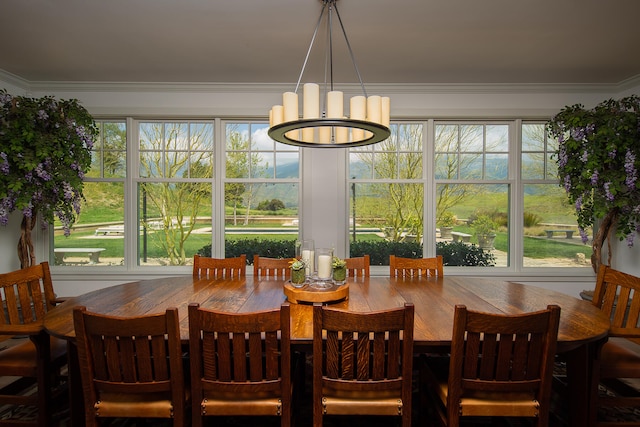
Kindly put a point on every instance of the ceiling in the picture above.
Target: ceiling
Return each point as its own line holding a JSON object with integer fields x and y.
{"x": 265, "y": 41}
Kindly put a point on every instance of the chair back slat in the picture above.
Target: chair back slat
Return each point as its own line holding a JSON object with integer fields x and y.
{"x": 271, "y": 267}
{"x": 358, "y": 266}
{"x": 416, "y": 267}
{"x": 218, "y": 268}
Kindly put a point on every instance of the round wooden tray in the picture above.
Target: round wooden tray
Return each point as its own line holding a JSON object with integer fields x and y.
{"x": 307, "y": 294}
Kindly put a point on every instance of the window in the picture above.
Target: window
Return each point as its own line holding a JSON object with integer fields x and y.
{"x": 261, "y": 192}
{"x": 98, "y": 235}
{"x": 471, "y": 163}
{"x": 160, "y": 191}
{"x": 174, "y": 189}
{"x": 550, "y": 235}
{"x": 387, "y": 191}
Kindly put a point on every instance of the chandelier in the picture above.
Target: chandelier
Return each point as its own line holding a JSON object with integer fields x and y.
{"x": 326, "y": 125}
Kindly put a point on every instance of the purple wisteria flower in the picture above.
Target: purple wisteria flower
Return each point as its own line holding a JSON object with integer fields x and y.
{"x": 4, "y": 166}
{"x": 585, "y": 156}
{"x": 630, "y": 169}
{"x": 630, "y": 238}
{"x": 562, "y": 157}
{"x": 594, "y": 177}
{"x": 607, "y": 192}
{"x": 42, "y": 115}
{"x": 567, "y": 183}
{"x": 583, "y": 235}
{"x": 579, "y": 203}
{"x": 578, "y": 134}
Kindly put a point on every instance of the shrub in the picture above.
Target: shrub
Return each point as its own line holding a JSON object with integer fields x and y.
{"x": 464, "y": 254}
{"x": 531, "y": 219}
{"x": 271, "y": 205}
{"x": 454, "y": 253}
{"x": 379, "y": 251}
{"x": 251, "y": 247}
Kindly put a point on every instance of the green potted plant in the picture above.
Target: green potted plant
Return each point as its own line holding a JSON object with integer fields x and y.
{"x": 45, "y": 151}
{"x": 446, "y": 222}
{"x": 598, "y": 159}
{"x": 339, "y": 267}
{"x": 485, "y": 229}
{"x": 298, "y": 276}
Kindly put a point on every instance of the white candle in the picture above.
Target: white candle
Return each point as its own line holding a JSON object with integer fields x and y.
{"x": 334, "y": 105}
{"x": 290, "y": 102}
{"x": 311, "y": 101}
{"x": 386, "y": 110}
{"x": 374, "y": 109}
{"x": 277, "y": 115}
{"x": 307, "y": 257}
{"x": 358, "y": 111}
{"x": 324, "y": 266}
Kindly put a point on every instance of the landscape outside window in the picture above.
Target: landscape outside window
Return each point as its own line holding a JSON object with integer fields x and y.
{"x": 261, "y": 193}
{"x": 103, "y": 208}
{"x": 480, "y": 173}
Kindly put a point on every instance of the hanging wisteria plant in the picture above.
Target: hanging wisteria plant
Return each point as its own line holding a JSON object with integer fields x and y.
{"x": 45, "y": 151}
{"x": 598, "y": 159}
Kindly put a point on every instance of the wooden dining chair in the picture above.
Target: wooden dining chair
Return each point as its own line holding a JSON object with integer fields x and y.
{"x": 415, "y": 267}
{"x": 500, "y": 365}
{"x": 217, "y": 268}
{"x": 131, "y": 367}
{"x": 617, "y": 294}
{"x": 362, "y": 363}
{"x": 32, "y": 357}
{"x": 271, "y": 267}
{"x": 358, "y": 266}
{"x": 240, "y": 363}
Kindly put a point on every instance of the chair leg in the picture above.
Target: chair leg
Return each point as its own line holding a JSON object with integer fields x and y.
{"x": 43, "y": 353}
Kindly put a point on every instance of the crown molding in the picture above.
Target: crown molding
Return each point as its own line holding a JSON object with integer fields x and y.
{"x": 398, "y": 88}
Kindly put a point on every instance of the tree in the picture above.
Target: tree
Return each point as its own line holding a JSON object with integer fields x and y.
{"x": 45, "y": 151}
{"x": 173, "y": 194}
{"x": 598, "y": 158}
{"x": 450, "y": 142}
{"x": 399, "y": 158}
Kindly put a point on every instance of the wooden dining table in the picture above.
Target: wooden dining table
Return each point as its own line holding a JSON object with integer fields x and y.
{"x": 583, "y": 328}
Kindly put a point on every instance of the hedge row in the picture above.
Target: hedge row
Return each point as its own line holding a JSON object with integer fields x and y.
{"x": 453, "y": 253}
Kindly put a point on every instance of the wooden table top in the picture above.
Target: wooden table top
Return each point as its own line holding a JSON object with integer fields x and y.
{"x": 434, "y": 300}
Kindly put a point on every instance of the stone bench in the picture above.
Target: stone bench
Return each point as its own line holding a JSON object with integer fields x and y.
{"x": 92, "y": 253}
{"x": 113, "y": 229}
{"x": 569, "y": 233}
{"x": 457, "y": 237}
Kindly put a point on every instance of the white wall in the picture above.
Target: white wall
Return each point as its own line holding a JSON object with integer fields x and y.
{"x": 320, "y": 218}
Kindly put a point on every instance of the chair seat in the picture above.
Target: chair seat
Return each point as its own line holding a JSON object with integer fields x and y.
{"x": 224, "y": 407}
{"x": 482, "y": 403}
{"x": 138, "y": 405}
{"x": 620, "y": 358}
{"x": 366, "y": 405}
{"x": 20, "y": 359}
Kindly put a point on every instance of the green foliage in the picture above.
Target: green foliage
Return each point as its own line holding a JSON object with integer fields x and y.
{"x": 256, "y": 246}
{"x": 531, "y": 219}
{"x": 45, "y": 152}
{"x": 598, "y": 158}
{"x": 379, "y": 251}
{"x": 463, "y": 254}
{"x": 483, "y": 224}
{"x": 448, "y": 219}
{"x": 271, "y": 205}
